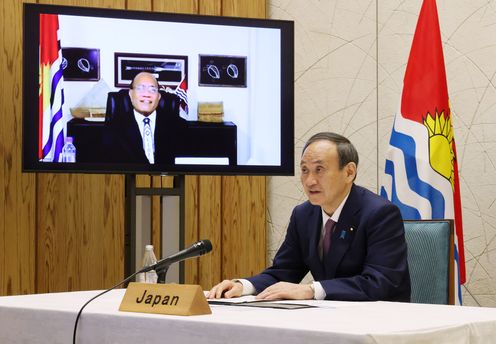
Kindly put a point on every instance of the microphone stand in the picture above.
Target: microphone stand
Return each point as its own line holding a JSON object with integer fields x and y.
{"x": 162, "y": 274}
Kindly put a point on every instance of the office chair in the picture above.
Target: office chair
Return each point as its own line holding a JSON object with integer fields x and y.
{"x": 431, "y": 260}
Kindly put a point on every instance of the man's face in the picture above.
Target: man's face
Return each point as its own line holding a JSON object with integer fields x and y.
{"x": 144, "y": 94}
{"x": 325, "y": 184}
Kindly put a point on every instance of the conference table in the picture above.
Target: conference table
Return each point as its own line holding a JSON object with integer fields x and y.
{"x": 49, "y": 318}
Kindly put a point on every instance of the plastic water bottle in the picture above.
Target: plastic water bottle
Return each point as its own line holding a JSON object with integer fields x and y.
{"x": 69, "y": 150}
{"x": 148, "y": 259}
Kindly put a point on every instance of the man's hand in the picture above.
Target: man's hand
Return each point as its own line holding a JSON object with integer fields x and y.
{"x": 226, "y": 289}
{"x": 288, "y": 291}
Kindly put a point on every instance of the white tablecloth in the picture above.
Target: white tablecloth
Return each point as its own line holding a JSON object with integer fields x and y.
{"x": 49, "y": 318}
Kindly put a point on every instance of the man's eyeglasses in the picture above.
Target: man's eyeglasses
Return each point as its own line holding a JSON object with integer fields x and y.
{"x": 144, "y": 88}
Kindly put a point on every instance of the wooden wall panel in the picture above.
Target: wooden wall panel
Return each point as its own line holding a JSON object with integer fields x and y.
{"x": 210, "y": 7}
{"x": 139, "y": 5}
{"x": 244, "y": 8}
{"x": 191, "y": 226}
{"x": 80, "y": 237}
{"x": 231, "y": 210}
{"x": 80, "y": 221}
{"x": 17, "y": 197}
{"x": 61, "y": 232}
{"x": 210, "y": 227}
{"x": 113, "y": 236}
{"x": 244, "y": 198}
{"x": 210, "y": 206}
{"x": 176, "y": 6}
{"x": 58, "y": 236}
{"x": 243, "y": 223}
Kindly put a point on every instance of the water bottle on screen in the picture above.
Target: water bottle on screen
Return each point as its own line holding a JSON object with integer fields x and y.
{"x": 69, "y": 150}
{"x": 148, "y": 259}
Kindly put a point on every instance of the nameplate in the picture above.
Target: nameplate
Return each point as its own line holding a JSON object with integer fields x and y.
{"x": 173, "y": 299}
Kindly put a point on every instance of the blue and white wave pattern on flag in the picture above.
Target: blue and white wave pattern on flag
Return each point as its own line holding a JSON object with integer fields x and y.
{"x": 54, "y": 121}
{"x": 410, "y": 182}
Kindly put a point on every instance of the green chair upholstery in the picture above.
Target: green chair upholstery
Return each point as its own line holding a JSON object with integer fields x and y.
{"x": 430, "y": 260}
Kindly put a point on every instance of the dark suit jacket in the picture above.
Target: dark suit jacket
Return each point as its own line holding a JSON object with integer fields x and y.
{"x": 367, "y": 259}
{"x": 123, "y": 142}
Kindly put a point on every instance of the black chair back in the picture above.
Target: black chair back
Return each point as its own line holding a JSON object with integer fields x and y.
{"x": 120, "y": 102}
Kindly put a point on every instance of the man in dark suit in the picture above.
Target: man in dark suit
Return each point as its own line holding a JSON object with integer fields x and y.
{"x": 144, "y": 133}
{"x": 350, "y": 239}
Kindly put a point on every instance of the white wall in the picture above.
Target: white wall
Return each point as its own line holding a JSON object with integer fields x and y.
{"x": 345, "y": 83}
{"x": 251, "y": 108}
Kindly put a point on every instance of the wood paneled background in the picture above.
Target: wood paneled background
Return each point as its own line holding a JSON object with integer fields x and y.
{"x": 64, "y": 232}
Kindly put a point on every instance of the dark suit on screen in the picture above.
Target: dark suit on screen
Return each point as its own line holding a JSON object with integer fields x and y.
{"x": 367, "y": 259}
{"x": 123, "y": 142}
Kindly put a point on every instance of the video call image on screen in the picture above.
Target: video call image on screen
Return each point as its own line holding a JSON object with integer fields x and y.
{"x": 220, "y": 93}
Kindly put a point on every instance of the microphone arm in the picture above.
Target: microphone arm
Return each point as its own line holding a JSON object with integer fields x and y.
{"x": 197, "y": 249}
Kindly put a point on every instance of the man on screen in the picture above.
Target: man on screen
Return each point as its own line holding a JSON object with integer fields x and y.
{"x": 350, "y": 239}
{"x": 147, "y": 134}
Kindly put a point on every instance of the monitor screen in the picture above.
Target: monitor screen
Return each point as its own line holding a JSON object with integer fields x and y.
{"x": 113, "y": 91}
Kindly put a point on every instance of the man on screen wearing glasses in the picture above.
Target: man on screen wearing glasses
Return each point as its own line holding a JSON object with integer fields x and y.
{"x": 146, "y": 134}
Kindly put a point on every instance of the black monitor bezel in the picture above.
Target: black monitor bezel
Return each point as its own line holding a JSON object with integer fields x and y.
{"x": 30, "y": 163}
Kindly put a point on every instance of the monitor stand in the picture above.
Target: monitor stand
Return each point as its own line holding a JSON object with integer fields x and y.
{"x": 133, "y": 253}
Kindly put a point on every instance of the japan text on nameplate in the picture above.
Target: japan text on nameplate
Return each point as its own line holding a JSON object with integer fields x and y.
{"x": 174, "y": 299}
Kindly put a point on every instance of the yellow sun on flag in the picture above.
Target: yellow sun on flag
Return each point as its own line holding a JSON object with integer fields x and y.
{"x": 441, "y": 155}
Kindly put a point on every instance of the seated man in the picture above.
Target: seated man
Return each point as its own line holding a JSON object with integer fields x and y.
{"x": 350, "y": 239}
{"x": 147, "y": 134}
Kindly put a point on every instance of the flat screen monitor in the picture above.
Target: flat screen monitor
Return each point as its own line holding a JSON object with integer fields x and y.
{"x": 213, "y": 95}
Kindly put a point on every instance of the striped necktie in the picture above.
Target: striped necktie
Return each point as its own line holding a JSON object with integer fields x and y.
{"x": 148, "y": 140}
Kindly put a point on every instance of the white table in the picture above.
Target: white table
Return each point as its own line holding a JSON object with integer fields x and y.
{"x": 49, "y": 318}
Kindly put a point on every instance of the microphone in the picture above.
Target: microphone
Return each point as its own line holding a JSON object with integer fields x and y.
{"x": 197, "y": 249}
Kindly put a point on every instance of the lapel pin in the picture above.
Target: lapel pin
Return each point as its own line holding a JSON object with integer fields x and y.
{"x": 351, "y": 229}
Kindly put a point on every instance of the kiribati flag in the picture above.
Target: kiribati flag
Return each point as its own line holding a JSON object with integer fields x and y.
{"x": 182, "y": 93}
{"x": 51, "y": 98}
{"x": 421, "y": 172}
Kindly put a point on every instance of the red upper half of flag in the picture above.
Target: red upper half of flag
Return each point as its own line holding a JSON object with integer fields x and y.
{"x": 425, "y": 88}
{"x": 49, "y": 24}
{"x": 183, "y": 85}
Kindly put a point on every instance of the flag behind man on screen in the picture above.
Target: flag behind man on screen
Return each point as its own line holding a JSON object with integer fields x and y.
{"x": 421, "y": 172}
{"x": 52, "y": 121}
{"x": 182, "y": 92}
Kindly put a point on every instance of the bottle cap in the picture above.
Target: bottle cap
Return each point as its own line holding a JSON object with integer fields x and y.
{"x": 149, "y": 247}
{"x": 68, "y": 139}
